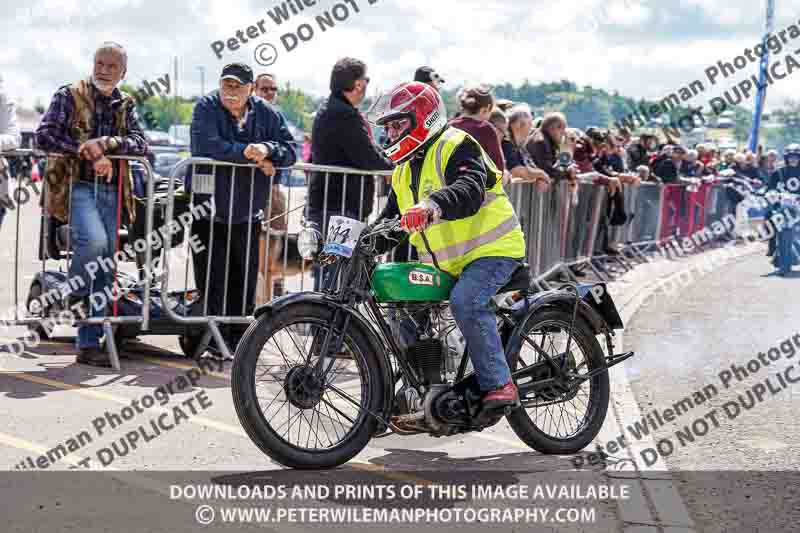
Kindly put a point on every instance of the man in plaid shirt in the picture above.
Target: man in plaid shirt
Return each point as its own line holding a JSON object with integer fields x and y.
{"x": 86, "y": 122}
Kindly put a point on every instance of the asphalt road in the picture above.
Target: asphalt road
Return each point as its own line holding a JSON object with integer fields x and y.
{"x": 47, "y": 400}
{"x": 688, "y": 345}
{"x": 683, "y": 344}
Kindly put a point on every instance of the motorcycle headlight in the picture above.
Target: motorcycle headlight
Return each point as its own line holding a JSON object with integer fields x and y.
{"x": 308, "y": 242}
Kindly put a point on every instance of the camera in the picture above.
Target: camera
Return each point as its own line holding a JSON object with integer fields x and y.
{"x": 564, "y": 160}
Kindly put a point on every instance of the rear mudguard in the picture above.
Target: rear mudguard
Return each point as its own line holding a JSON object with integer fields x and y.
{"x": 595, "y": 307}
{"x": 316, "y": 298}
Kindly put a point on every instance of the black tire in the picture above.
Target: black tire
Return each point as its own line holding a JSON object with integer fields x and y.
{"x": 50, "y": 311}
{"x": 243, "y": 373}
{"x": 520, "y": 420}
{"x": 189, "y": 344}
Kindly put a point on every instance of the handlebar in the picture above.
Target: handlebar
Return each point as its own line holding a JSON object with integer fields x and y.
{"x": 382, "y": 227}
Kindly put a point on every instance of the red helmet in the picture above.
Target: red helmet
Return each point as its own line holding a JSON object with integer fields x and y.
{"x": 420, "y": 106}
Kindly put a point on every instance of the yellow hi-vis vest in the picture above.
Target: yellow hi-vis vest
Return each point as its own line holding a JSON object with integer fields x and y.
{"x": 493, "y": 231}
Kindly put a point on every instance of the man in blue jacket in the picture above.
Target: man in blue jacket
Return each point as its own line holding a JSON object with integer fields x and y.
{"x": 232, "y": 124}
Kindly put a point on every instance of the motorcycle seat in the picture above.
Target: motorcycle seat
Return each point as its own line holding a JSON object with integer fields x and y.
{"x": 520, "y": 280}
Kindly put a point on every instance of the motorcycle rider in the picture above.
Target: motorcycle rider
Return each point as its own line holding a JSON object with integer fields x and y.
{"x": 451, "y": 199}
{"x": 784, "y": 175}
{"x": 785, "y": 179}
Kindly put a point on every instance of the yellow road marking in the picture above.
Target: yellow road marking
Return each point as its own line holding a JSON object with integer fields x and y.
{"x": 22, "y": 444}
{"x": 219, "y": 425}
{"x": 182, "y": 366}
{"x": 90, "y": 393}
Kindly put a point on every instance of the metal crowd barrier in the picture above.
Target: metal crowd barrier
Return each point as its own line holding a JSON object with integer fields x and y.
{"x": 236, "y": 266}
{"x": 647, "y": 199}
{"x": 58, "y": 292}
{"x": 232, "y": 264}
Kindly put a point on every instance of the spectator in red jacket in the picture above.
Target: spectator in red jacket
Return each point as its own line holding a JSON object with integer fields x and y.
{"x": 476, "y": 108}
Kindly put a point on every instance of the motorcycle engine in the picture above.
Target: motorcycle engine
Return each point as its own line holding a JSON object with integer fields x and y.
{"x": 427, "y": 356}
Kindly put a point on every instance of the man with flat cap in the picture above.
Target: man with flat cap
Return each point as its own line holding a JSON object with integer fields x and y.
{"x": 232, "y": 124}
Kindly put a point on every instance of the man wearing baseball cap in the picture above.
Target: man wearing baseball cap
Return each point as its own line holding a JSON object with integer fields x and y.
{"x": 429, "y": 76}
{"x": 232, "y": 124}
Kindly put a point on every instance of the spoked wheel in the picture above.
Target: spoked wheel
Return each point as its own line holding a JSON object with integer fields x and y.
{"x": 553, "y": 420}
{"x": 290, "y": 413}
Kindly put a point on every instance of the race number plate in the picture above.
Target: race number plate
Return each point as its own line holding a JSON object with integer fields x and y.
{"x": 343, "y": 235}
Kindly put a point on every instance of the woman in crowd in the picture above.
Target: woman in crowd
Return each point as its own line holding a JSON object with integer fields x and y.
{"x": 638, "y": 152}
{"x": 729, "y": 160}
{"x": 518, "y": 161}
{"x": 770, "y": 165}
{"x": 499, "y": 120}
{"x": 476, "y": 108}
{"x": 694, "y": 168}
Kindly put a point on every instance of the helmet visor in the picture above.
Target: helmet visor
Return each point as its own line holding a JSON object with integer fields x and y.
{"x": 391, "y": 106}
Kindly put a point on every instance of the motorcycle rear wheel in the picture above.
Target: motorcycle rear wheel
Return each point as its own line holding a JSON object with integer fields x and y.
{"x": 555, "y": 438}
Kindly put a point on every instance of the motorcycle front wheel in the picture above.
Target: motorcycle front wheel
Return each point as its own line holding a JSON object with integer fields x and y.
{"x": 292, "y": 416}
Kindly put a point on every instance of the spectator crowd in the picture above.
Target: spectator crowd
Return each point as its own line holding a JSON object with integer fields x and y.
{"x": 241, "y": 122}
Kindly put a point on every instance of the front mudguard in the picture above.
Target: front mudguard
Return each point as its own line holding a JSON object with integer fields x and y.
{"x": 595, "y": 307}
{"x": 317, "y": 298}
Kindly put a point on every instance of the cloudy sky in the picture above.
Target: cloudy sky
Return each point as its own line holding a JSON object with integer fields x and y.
{"x": 641, "y": 48}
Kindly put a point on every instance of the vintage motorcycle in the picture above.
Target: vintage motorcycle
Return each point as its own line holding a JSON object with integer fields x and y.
{"x": 317, "y": 375}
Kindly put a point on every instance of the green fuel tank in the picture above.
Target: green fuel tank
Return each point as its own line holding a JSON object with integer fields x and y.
{"x": 411, "y": 282}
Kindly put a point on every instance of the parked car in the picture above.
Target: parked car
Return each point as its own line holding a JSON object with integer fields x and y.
{"x": 158, "y": 138}
{"x": 295, "y": 190}
{"x": 165, "y": 162}
{"x": 726, "y": 123}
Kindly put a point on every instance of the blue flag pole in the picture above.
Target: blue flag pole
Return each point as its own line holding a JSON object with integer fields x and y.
{"x": 762, "y": 78}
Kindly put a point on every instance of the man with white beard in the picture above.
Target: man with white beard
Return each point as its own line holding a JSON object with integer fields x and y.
{"x": 86, "y": 122}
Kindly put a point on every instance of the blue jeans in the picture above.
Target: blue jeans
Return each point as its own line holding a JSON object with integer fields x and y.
{"x": 469, "y": 301}
{"x": 320, "y": 274}
{"x": 93, "y": 223}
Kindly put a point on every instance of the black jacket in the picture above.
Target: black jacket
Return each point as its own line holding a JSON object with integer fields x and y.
{"x": 340, "y": 137}
{"x": 667, "y": 171}
{"x": 466, "y": 182}
{"x": 637, "y": 155}
{"x": 544, "y": 152}
{"x": 750, "y": 172}
{"x": 782, "y": 175}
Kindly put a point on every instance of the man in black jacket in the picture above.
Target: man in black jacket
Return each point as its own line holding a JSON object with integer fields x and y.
{"x": 670, "y": 170}
{"x": 341, "y": 137}
{"x": 788, "y": 177}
